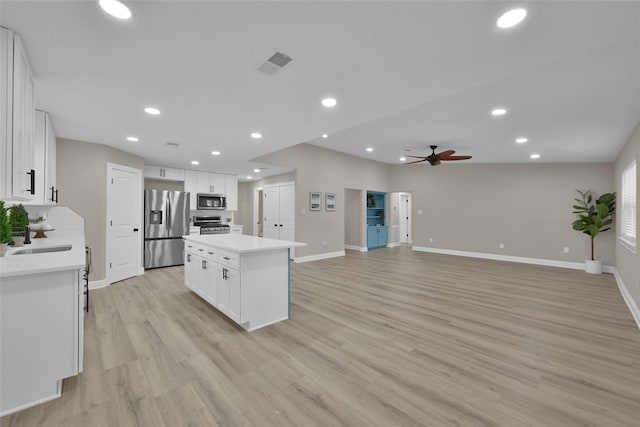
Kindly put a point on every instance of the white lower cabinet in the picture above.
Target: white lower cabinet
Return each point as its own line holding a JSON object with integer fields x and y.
{"x": 251, "y": 289}
{"x": 42, "y": 330}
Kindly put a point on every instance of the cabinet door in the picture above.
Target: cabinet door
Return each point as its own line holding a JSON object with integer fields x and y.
{"x": 224, "y": 291}
{"x": 232, "y": 279}
{"x": 231, "y": 191}
{"x": 191, "y": 270}
{"x": 6, "y": 111}
{"x": 50, "y": 171}
{"x": 155, "y": 172}
{"x": 204, "y": 182}
{"x": 383, "y": 236}
{"x": 217, "y": 183}
{"x": 191, "y": 186}
{"x": 372, "y": 237}
{"x": 23, "y": 125}
{"x": 173, "y": 174}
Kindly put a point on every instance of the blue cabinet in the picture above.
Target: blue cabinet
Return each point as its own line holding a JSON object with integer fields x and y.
{"x": 377, "y": 229}
{"x": 377, "y": 237}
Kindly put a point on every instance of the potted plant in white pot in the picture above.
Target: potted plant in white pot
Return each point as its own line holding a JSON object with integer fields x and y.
{"x": 19, "y": 220}
{"x": 594, "y": 217}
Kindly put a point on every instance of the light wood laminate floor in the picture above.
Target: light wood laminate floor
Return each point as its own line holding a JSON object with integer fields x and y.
{"x": 390, "y": 337}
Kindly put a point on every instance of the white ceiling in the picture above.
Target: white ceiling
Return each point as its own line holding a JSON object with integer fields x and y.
{"x": 405, "y": 74}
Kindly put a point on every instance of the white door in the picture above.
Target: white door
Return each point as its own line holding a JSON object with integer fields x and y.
{"x": 271, "y": 208}
{"x": 124, "y": 202}
{"x": 287, "y": 212}
{"x": 405, "y": 220}
{"x": 257, "y": 200}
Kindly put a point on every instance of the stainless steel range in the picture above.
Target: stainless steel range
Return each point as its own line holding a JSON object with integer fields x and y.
{"x": 210, "y": 225}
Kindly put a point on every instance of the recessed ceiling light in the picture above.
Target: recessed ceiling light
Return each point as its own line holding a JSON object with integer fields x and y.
{"x": 329, "y": 102}
{"x": 498, "y": 112}
{"x": 324, "y": 135}
{"x": 403, "y": 159}
{"x": 535, "y": 156}
{"x": 256, "y": 170}
{"x": 511, "y": 18}
{"x": 215, "y": 153}
{"x": 132, "y": 139}
{"x": 369, "y": 149}
{"x": 521, "y": 140}
{"x": 151, "y": 110}
{"x": 115, "y": 9}
{"x": 249, "y": 177}
{"x": 195, "y": 162}
{"x": 256, "y": 135}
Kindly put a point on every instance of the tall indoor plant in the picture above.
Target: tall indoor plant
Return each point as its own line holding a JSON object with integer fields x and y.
{"x": 594, "y": 217}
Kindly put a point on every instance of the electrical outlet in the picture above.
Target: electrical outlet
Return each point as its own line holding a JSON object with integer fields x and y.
{"x": 501, "y": 245}
{"x": 430, "y": 239}
{"x": 566, "y": 249}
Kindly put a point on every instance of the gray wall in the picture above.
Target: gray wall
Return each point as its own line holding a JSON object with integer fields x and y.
{"x": 628, "y": 263}
{"x": 82, "y": 184}
{"x": 327, "y": 171}
{"x": 353, "y": 217}
{"x": 527, "y": 207}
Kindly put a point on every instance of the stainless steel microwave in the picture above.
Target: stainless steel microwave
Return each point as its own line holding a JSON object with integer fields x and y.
{"x": 208, "y": 201}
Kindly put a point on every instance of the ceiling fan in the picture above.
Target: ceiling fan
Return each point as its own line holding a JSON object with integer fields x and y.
{"x": 435, "y": 159}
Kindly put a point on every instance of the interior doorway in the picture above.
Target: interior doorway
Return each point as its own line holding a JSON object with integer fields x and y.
{"x": 124, "y": 217}
{"x": 405, "y": 217}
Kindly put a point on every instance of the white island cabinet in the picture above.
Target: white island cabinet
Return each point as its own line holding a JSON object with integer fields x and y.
{"x": 244, "y": 277}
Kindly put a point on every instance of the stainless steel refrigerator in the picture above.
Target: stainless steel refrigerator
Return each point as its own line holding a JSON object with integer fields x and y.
{"x": 166, "y": 220}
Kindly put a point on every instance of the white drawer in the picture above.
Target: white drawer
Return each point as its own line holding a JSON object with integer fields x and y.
{"x": 202, "y": 250}
{"x": 229, "y": 259}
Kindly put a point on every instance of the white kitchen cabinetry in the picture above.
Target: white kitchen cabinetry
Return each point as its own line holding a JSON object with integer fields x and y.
{"x": 211, "y": 183}
{"x": 159, "y": 172}
{"x": 17, "y": 119}
{"x": 42, "y": 329}
{"x": 45, "y": 160}
{"x": 231, "y": 191}
{"x": 235, "y": 229}
{"x": 250, "y": 285}
{"x": 191, "y": 186}
{"x": 279, "y": 211}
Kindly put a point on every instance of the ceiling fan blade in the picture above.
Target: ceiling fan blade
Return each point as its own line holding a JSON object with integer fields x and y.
{"x": 417, "y": 161}
{"x": 456, "y": 158}
{"x": 418, "y": 157}
{"x": 445, "y": 154}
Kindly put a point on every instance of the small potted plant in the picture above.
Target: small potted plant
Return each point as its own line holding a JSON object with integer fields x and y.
{"x": 19, "y": 220}
{"x": 5, "y": 230}
{"x": 594, "y": 218}
{"x": 229, "y": 219}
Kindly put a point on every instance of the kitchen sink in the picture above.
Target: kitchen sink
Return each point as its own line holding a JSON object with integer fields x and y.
{"x": 45, "y": 250}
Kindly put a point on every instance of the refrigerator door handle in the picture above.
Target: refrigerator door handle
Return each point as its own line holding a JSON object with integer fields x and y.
{"x": 168, "y": 213}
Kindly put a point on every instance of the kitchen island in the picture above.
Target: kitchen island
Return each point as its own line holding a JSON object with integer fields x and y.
{"x": 245, "y": 277}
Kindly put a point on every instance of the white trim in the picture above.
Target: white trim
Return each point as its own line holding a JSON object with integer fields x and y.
{"x": 631, "y": 304}
{"x": 393, "y": 244}
{"x": 31, "y": 404}
{"x": 317, "y": 257}
{"x": 510, "y": 258}
{"x": 357, "y": 248}
{"x": 97, "y": 284}
{"x": 626, "y": 243}
{"x": 140, "y": 271}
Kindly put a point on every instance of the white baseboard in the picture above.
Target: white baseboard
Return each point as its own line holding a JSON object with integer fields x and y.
{"x": 393, "y": 245}
{"x": 318, "y": 256}
{"x": 97, "y": 284}
{"x": 633, "y": 307}
{"x": 140, "y": 271}
{"x": 510, "y": 258}
{"x": 356, "y": 248}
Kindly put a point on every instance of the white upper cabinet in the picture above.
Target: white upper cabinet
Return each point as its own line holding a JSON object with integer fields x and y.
{"x": 231, "y": 191}
{"x": 158, "y": 172}
{"x": 45, "y": 160}
{"x": 17, "y": 119}
{"x": 211, "y": 183}
{"x": 191, "y": 186}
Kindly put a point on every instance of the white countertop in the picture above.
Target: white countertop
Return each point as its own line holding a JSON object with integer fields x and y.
{"x": 241, "y": 243}
{"x": 19, "y": 265}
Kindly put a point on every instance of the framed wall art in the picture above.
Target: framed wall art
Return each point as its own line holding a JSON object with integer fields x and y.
{"x": 330, "y": 201}
{"x": 315, "y": 200}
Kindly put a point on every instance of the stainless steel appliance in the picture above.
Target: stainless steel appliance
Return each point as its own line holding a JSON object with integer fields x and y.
{"x": 207, "y": 201}
{"x": 211, "y": 225}
{"x": 166, "y": 220}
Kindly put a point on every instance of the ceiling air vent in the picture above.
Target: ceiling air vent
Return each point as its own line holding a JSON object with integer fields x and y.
{"x": 275, "y": 63}
{"x": 171, "y": 144}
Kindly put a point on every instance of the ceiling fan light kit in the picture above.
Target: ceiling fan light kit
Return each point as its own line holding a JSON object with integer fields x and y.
{"x": 435, "y": 159}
